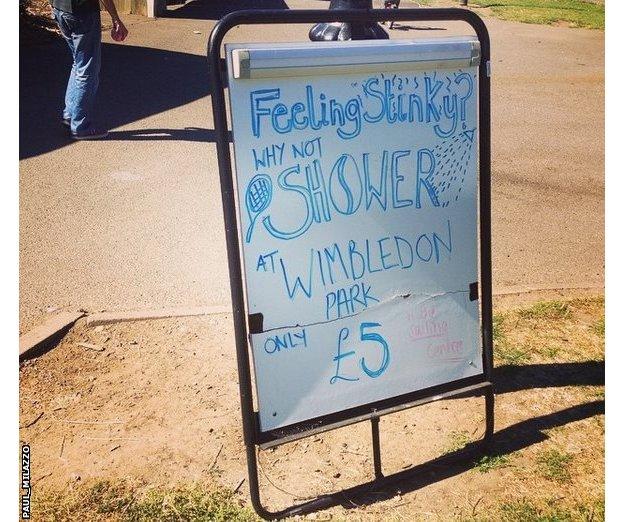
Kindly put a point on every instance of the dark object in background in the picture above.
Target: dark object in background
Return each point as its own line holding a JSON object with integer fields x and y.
{"x": 348, "y": 31}
{"x": 391, "y": 4}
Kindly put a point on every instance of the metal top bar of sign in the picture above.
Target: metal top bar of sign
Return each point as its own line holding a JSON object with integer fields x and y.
{"x": 258, "y": 61}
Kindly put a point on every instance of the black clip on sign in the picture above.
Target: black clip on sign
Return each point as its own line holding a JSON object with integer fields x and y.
{"x": 260, "y": 430}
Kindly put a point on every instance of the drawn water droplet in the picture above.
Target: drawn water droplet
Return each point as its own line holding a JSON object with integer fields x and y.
{"x": 452, "y": 157}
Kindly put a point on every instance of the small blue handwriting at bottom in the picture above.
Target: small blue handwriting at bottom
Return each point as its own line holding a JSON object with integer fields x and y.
{"x": 286, "y": 341}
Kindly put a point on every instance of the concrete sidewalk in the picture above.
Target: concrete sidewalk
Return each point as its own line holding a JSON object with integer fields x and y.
{"x": 135, "y": 221}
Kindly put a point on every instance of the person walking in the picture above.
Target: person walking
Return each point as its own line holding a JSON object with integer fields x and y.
{"x": 79, "y": 22}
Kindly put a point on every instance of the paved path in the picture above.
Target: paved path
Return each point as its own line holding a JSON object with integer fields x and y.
{"x": 135, "y": 221}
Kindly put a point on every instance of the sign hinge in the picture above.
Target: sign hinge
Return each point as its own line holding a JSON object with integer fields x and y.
{"x": 256, "y": 325}
{"x": 475, "y": 53}
{"x": 474, "y": 291}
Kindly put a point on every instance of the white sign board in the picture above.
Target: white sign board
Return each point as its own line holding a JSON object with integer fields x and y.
{"x": 356, "y": 173}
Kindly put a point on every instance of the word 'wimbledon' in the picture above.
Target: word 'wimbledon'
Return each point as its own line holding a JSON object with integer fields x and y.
{"x": 345, "y": 263}
{"x": 381, "y": 100}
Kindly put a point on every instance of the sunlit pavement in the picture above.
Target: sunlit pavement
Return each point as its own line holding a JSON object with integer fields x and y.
{"x": 135, "y": 221}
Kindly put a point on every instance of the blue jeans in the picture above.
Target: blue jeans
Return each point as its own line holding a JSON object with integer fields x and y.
{"x": 83, "y": 35}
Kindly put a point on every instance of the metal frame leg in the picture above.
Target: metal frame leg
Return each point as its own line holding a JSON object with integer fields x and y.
{"x": 489, "y": 416}
{"x": 376, "y": 448}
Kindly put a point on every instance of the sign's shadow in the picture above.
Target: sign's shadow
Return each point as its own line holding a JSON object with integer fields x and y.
{"x": 507, "y": 379}
{"x": 513, "y": 438}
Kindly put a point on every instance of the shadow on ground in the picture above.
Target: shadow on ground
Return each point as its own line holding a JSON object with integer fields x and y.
{"x": 136, "y": 82}
{"x": 512, "y": 378}
{"x": 515, "y": 378}
{"x": 504, "y": 442}
{"x": 508, "y": 440}
{"x": 214, "y": 10}
{"x": 185, "y": 134}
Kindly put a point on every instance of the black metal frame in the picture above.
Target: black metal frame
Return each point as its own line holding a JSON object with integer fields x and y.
{"x": 478, "y": 385}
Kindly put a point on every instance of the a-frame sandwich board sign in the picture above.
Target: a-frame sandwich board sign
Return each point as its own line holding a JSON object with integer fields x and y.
{"x": 357, "y": 224}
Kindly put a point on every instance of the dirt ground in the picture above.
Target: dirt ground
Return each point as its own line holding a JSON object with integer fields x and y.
{"x": 158, "y": 402}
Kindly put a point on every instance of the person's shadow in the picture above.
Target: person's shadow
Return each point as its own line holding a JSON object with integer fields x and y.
{"x": 215, "y": 10}
{"x": 136, "y": 82}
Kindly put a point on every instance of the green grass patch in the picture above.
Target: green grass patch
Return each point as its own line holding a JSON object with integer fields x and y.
{"x": 520, "y": 512}
{"x": 599, "y": 327}
{"x": 547, "y": 331}
{"x": 576, "y": 13}
{"x": 598, "y": 394}
{"x": 554, "y": 465}
{"x": 458, "y": 441}
{"x": 490, "y": 462}
{"x": 524, "y": 511}
{"x": 498, "y": 332}
{"x": 504, "y": 351}
{"x": 119, "y": 501}
{"x": 550, "y": 351}
{"x": 546, "y": 310}
{"x": 510, "y": 354}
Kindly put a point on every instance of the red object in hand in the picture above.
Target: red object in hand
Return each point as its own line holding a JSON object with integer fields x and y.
{"x": 119, "y": 31}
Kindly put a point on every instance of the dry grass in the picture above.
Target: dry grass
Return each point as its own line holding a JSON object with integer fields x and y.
{"x": 555, "y": 465}
{"x": 562, "y": 477}
{"x": 458, "y": 440}
{"x": 569, "y": 331}
{"x": 123, "y": 501}
{"x": 525, "y": 511}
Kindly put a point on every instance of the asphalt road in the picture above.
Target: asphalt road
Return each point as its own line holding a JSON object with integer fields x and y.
{"x": 135, "y": 221}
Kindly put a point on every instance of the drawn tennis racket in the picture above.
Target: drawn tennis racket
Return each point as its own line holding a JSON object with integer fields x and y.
{"x": 257, "y": 198}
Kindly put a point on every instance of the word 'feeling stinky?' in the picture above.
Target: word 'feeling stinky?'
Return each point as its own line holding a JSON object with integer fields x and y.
{"x": 388, "y": 100}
